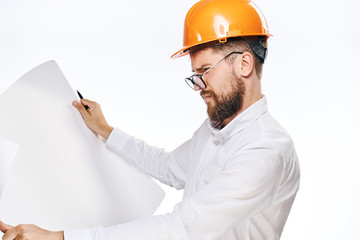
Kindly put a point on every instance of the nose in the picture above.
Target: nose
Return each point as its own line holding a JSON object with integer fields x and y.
{"x": 196, "y": 87}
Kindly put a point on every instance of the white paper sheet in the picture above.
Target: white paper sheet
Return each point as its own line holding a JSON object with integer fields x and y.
{"x": 7, "y": 154}
{"x": 63, "y": 176}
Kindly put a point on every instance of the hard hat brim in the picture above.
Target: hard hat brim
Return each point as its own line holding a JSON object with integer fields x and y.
{"x": 186, "y": 50}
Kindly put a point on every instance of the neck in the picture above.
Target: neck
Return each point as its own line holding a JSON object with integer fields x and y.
{"x": 250, "y": 97}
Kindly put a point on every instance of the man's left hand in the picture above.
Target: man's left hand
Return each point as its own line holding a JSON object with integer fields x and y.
{"x": 29, "y": 232}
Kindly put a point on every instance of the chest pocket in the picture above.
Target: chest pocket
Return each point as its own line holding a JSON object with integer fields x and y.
{"x": 211, "y": 172}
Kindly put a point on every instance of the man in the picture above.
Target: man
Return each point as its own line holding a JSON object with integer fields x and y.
{"x": 239, "y": 171}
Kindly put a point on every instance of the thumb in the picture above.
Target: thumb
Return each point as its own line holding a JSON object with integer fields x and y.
{"x": 80, "y": 108}
{"x": 4, "y": 227}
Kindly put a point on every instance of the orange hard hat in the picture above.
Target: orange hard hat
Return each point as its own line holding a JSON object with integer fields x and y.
{"x": 218, "y": 20}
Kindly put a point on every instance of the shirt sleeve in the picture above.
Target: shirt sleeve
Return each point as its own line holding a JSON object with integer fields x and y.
{"x": 247, "y": 185}
{"x": 167, "y": 167}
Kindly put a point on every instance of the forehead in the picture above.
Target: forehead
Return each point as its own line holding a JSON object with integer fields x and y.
{"x": 204, "y": 58}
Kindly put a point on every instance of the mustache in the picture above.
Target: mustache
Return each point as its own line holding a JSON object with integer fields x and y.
{"x": 207, "y": 92}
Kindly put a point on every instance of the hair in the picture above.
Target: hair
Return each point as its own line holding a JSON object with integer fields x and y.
{"x": 236, "y": 45}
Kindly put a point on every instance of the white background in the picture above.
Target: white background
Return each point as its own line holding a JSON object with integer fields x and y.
{"x": 117, "y": 53}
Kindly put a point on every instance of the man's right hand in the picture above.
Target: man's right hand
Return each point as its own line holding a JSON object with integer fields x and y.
{"x": 93, "y": 117}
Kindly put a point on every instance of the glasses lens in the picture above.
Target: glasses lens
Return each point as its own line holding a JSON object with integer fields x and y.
{"x": 190, "y": 82}
{"x": 198, "y": 81}
{"x": 195, "y": 80}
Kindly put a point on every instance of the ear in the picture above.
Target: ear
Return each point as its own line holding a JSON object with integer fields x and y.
{"x": 244, "y": 65}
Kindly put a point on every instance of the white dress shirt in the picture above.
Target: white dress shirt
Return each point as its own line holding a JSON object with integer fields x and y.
{"x": 239, "y": 182}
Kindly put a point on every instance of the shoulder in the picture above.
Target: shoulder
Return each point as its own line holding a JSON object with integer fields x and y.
{"x": 263, "y": 142}
{"x": 203, "y": 130}
{"x": 267, "y": 133}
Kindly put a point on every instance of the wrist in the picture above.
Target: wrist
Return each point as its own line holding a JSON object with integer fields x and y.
{"x": 58, "y": 235}
{"x": 105, "y": 132}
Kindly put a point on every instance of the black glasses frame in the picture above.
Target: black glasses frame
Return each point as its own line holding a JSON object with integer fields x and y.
{"x": 192, "y": 82}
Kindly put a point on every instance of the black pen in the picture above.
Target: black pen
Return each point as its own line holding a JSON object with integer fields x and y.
{"x": 81, "y": 97}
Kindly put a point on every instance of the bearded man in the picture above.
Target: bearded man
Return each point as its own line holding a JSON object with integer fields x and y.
{"x": 239, "y": 171}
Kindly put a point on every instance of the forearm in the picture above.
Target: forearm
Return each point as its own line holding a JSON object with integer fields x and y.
{"x": 155, "y": 161}
{"x": 168, "y": 227}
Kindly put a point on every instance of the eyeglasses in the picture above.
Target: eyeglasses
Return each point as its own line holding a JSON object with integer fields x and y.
{"x": 197, "y": 79}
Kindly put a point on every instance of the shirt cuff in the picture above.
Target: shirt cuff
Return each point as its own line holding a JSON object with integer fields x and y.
{"x": 78, "y": 234}
{"x": 117, "y": 140}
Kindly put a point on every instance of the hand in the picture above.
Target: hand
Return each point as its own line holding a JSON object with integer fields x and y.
{"x": 93, "y": 117}
{"x": 29, "y": 232}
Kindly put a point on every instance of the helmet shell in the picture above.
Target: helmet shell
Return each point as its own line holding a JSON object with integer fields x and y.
{"x": 218, "y": 20}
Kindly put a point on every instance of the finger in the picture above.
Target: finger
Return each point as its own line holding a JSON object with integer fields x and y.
{"x": 88, "y": 103}
{"x": 4, "y": 227}
{"x": 80, "y": 108}
{"x": 13, "y": 232}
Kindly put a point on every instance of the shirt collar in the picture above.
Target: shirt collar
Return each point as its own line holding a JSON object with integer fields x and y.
{"x": 239, "y": 123}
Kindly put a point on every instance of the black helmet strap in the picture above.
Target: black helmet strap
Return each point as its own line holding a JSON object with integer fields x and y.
{"x": 259, "y": 48}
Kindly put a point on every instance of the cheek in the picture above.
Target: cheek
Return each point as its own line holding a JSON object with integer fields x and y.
{"x": 215, "y": 81}
{"x": 221, "y": 85}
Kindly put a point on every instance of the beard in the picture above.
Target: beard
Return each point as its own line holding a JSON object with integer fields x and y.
{"x": 226, "y": 104}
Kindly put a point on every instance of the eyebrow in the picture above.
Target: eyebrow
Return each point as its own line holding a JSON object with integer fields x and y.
{"x": 201, "y": 68}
